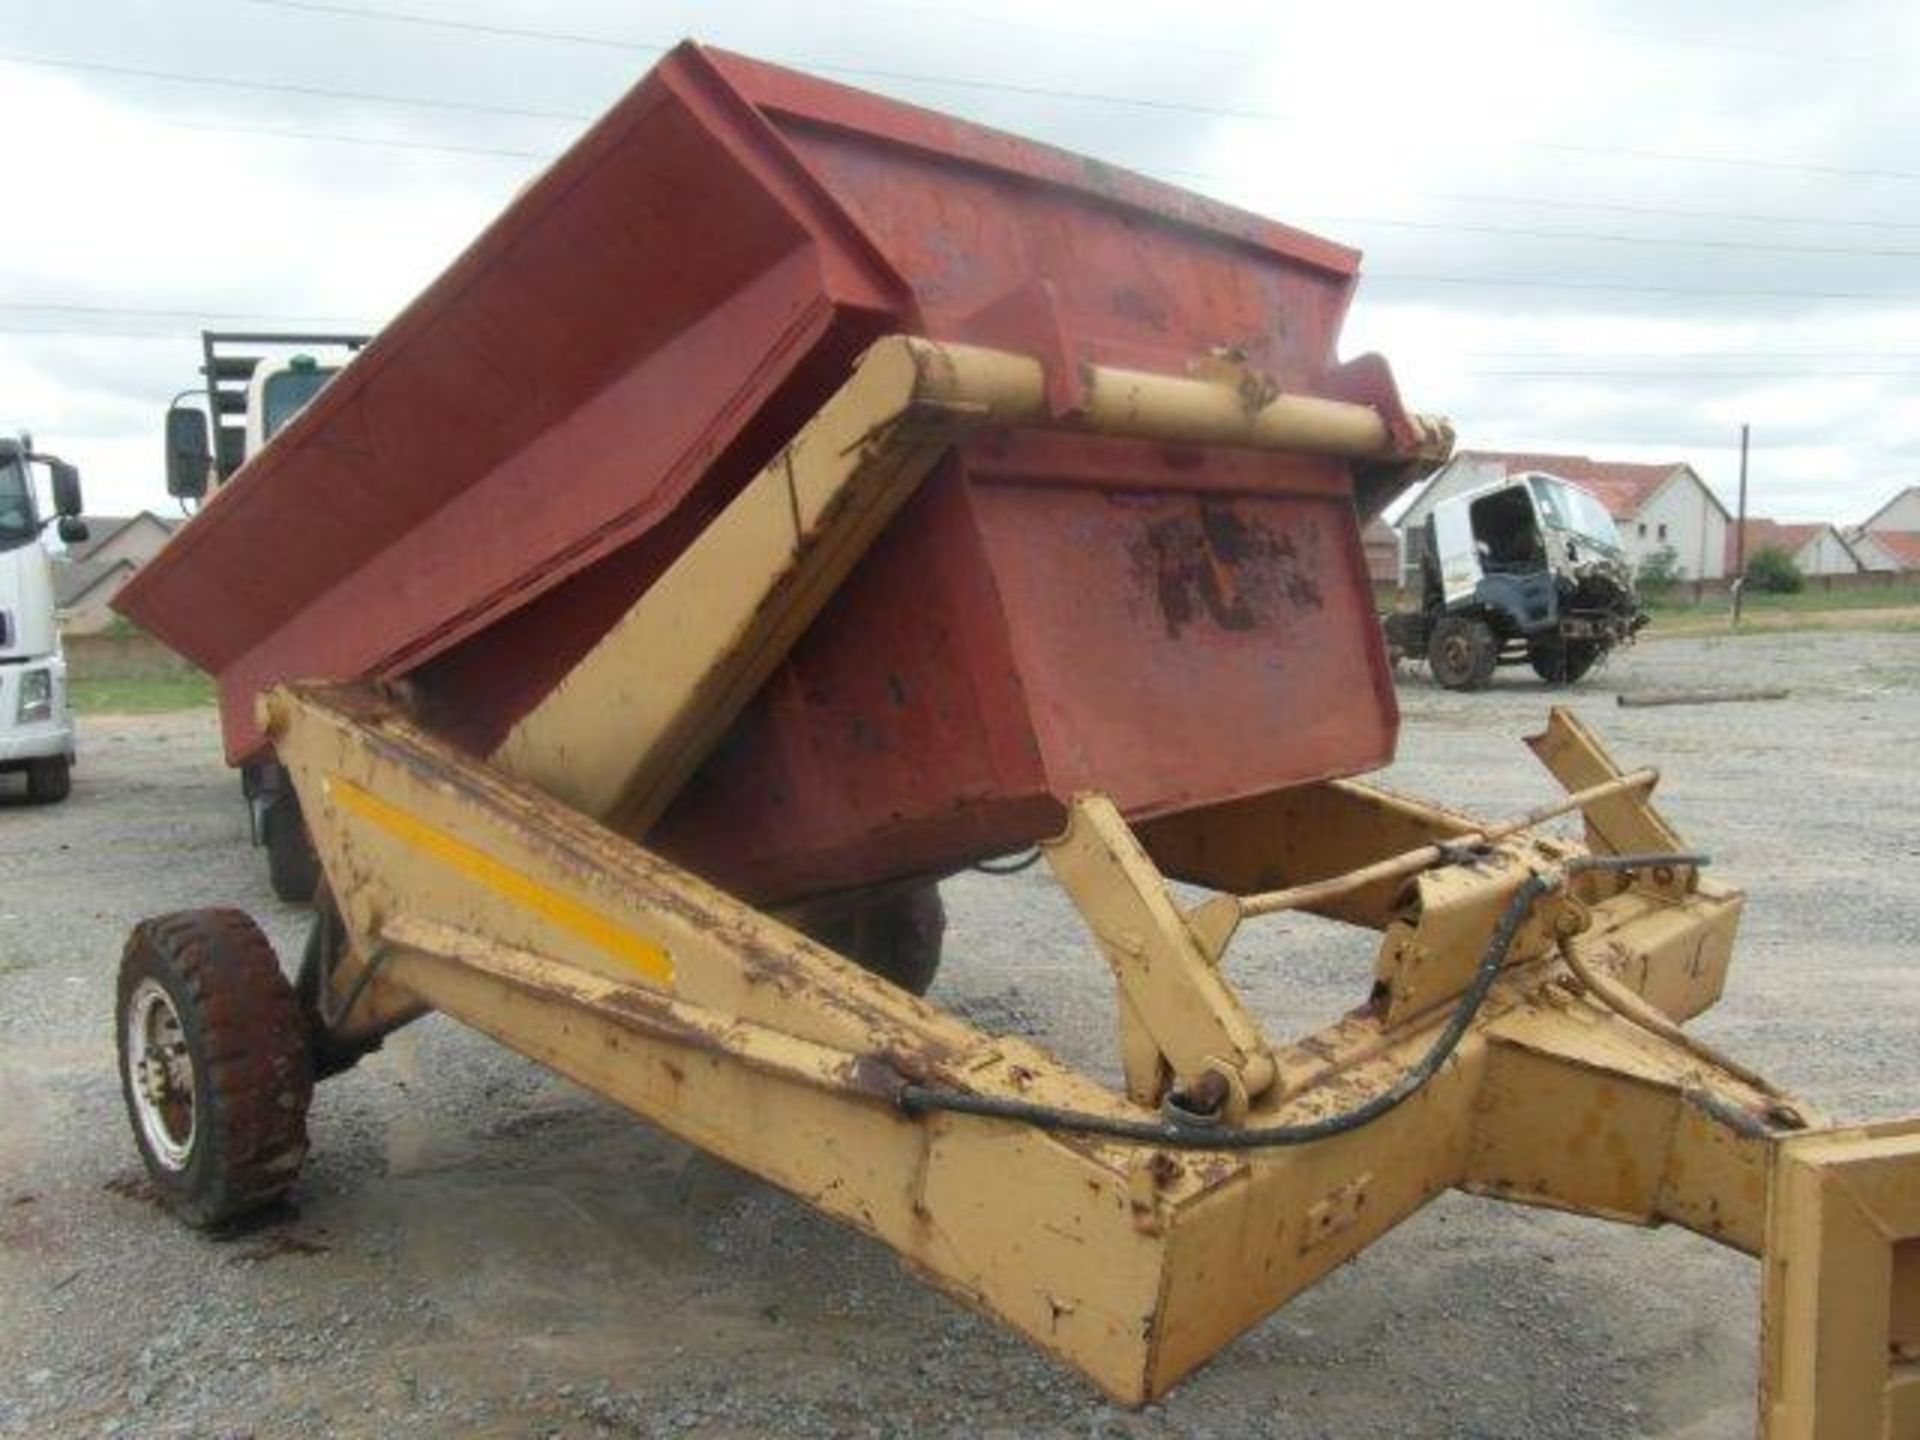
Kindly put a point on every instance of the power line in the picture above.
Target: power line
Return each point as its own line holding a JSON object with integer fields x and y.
{"x": 1651, "y": 211}
{"x": 1504, "y": 282}
{"x": 1664, "y": 212}
{"x": 1438, "y": 226}
{"x": 381, "y": 142}
{"x": 1588, "y": 236}
{"x": 1080, "y": 35}
{"x": 1386, "y": 277}
{"x": 266, "y": 87}
{"x": 1654, "y": 36}
{"x": 1744, "y": 47}
{"x": 1679, "y": 157}
{"x": 478, "y": 107}
{"x": 1371, "y": 277}
{"x": 368, "y": 12}
{"x": 173, "y": 337}
{"x": 1536, "y": 202}
{"x": 437, "y": 22}
{"x": 64, "y": 307}
{"x": 611, "y": 42}
{"x": 509, "y": 152}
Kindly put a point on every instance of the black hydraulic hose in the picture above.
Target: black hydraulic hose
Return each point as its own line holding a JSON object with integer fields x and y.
{"x": 1186, "y": 1130}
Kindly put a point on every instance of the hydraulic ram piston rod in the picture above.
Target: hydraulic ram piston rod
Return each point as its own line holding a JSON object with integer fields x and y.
{"x": 1179, "y": 409}
{"x": 1412, "y": 862}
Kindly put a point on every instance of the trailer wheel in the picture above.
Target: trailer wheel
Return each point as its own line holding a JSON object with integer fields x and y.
{"x": 1563, "y": 662}
{"x": 897, "y": 938}
{"x": 213, "y": 1063}
{"x": 1462, "y": 652}
{"x": 292, "y": 867}
{"x": 49, "y": 781}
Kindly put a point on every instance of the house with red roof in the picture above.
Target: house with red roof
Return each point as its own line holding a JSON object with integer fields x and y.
{"x": 1657, "y": 506}
{"x": 1889, "y": 539}
{"x": 1815, "y": 547}
{"x": 1887, "y": 549}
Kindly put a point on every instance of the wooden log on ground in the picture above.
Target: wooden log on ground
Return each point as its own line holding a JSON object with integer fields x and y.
{"x": 1638, "y": 699}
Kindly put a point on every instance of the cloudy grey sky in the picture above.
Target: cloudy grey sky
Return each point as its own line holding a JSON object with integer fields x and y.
{"x": 1616, "y": 229}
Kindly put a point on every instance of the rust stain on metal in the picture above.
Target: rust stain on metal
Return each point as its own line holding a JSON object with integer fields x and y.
{"x": 1218, "y": 565}
{"x": 1131, "y": 303}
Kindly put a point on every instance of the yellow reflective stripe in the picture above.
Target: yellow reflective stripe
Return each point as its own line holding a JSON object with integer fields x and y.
{"x": 510, "y": 884}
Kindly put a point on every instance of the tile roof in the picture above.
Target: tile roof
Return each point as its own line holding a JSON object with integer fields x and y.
{"x": 1902, "y": 545}
{"x": 1763, "y": 533}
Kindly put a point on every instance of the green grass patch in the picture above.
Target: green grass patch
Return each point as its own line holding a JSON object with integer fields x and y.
{"x": 146, "y": 696}
{"x": 1679, "y": 625}
{"x": 1810, "y": 600}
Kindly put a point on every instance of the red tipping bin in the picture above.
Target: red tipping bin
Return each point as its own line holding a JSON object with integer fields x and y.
{"x": 510, "y": 464}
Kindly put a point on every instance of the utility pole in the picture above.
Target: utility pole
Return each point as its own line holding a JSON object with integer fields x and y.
{"x": 1740, "y": 534}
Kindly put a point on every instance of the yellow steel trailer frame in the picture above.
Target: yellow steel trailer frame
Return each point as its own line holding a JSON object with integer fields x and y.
{"x": 1131, "y": 1234}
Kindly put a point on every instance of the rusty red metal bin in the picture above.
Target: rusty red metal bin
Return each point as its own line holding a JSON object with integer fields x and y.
{"x": 515, "y": 459}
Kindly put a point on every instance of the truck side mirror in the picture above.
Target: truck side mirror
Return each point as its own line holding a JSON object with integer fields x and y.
{"x": 73, "y": 530}
{"x": 66, "y": 488}
{"x": 189, "y": 453}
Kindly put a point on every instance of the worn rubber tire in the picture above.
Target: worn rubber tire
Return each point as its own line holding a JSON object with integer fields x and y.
{"x": 1461, "y": 653}
{"x": 248, "y": 1053}
{"x": 897, "y": 938}
{"x": 49, "y": 781}
{"x": 1563, "y": 663}
{"x": 293, "y": 869}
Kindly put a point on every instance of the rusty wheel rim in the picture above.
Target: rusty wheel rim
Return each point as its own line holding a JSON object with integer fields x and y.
{"x": 160, "y": 1075}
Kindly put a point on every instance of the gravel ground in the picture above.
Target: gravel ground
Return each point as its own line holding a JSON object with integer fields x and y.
{"x": 477, "y": 1248}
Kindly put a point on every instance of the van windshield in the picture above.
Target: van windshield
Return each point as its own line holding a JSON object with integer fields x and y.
{"x": 1566, "y": 507}
{"x": 17, "y": 520}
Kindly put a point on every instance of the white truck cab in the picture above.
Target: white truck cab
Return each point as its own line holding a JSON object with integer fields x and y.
{"x": 36, "y": 724}
{"x": 1528, "y": 570}
{"x": 279, "y": 391}
{"x": 255, "y": 383}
